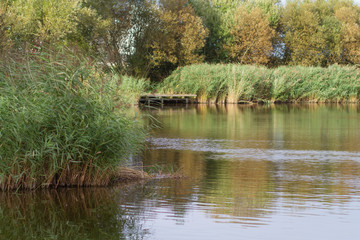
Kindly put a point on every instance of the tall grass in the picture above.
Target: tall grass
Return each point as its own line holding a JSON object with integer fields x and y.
{"x": 59, "y": 125}
{"x": 130, "y": 89}
{"x": 232, "y": 83}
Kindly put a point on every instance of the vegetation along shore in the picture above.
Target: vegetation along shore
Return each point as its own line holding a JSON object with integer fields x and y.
{"x": 60, "y": 125}
{"x": 233, "y": 83}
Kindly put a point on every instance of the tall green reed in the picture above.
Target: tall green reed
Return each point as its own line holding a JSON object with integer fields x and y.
{"x": 232, "y": 83}
{"x": 59, "y": 125}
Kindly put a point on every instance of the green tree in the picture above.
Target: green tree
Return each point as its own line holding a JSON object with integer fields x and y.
{"x": 219, "y": 17}
{"x": 350, "y": 34}
{"x": 144, "y": 20}
{"x": 176, "y": 38}
{"x": 41, "y": 21}
{"x": 252, "y": 37}
{"x": 312, "y": 32}
{"x": 303, "y": 37}
{"x": 271, "y": 8}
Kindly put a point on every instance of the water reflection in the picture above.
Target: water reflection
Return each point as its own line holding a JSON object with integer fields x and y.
{"x": 319, "y": 127}
{"x": 68, "y": 214}
{"x": 244, "y": 160}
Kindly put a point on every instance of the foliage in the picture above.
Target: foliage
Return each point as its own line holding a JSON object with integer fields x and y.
{"x": 252, "y": 37}
{"x": 150, "y": 39}
{"x": 211, "y": 18}
{"x": 219, "y": 83}
{"x": 219, "y": 17}
{"x": 3, "y": 37}
{"x": 304, "y": 37}
{"x": 39, "y": 21}
{"x": 320, "y": 33}
{"x": 111, "y": 34}
{"x": 271, "y": 8}
{"x": 59, "y": 124}
{"x": 349, "y": 18}
{"x": 178, "y": 36}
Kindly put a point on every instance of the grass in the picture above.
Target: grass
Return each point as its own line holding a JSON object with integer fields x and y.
{"x": 59, "y": 123}
{"x": 232, "y": 83}
{"x": 158, "y": 171}
{"x": 130, "y": 89}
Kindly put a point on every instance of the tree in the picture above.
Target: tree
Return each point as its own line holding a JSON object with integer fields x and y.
{"x": 219, "y": 16}
{"x": 312, "y": 32}
{"x": 271, "y": 9}
{"x": 107, "y": 27}
{"x": 212, "y": 19}
{"x": 177, "y": 36}
{"x": 350, "y": 34}
{"x": 252, "y": 37}
{"x": 303, "y": 37}
{"x": 41, "y": 21}
{"x": 3, "y": 37}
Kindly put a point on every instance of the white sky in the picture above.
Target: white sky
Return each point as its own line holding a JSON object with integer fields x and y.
{"x": 356, "y": 1}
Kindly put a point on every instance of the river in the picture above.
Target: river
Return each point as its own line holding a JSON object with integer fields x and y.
{"x": 252, "y": 172}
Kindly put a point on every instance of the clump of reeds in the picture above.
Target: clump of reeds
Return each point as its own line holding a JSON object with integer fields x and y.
{"x": 130, "y": 89}
{"x": 233, "y": 83}
{"x": 59, "y": 125}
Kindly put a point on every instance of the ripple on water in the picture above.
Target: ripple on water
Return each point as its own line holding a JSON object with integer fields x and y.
{"x": 239, "y": 150}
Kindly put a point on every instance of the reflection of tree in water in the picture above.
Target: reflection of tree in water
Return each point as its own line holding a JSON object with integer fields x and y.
{"x": 67, "y": 214}
{"x": 327, "y": 126}
{"x": 247, "y": 191}
{"x": 243, "y": 190}
{"x": 326, "y": 181}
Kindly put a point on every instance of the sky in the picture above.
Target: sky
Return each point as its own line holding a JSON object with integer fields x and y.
{"x": 355, "y": 1}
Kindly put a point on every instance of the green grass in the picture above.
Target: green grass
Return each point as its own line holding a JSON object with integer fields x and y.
{"x": 232, "y": 83}
{"x": 130, "y": 89}
{"x": 59, "y": 124}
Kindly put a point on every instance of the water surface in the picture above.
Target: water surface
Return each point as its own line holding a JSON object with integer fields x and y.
{"x": 254, "y": 172}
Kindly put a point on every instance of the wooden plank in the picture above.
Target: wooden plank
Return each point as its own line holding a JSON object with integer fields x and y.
{"x": 167, "y": 98}
{"x": 168, "y": 95}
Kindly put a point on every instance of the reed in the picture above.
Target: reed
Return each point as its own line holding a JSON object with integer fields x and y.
{"x": 130, "y": 89}
{"x": 59, "y": 125}
{"x": 233, "y": 83}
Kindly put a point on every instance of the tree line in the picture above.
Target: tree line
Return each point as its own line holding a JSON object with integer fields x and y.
{"x": 150, "y": 38}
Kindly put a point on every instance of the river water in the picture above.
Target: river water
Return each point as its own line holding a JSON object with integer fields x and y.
{"x": 253, "y": 172}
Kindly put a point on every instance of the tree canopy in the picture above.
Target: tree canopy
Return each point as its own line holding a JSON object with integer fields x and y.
{"x": 150, "y": 38}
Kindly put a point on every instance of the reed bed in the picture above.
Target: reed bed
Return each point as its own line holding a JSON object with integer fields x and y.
{"x": 232, "y": 83}
{"x": 59, "y": 124}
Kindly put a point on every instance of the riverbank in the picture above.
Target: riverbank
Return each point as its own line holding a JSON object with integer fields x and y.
{"x": 233, "y": 83}
{"x": 61, "y": 123}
